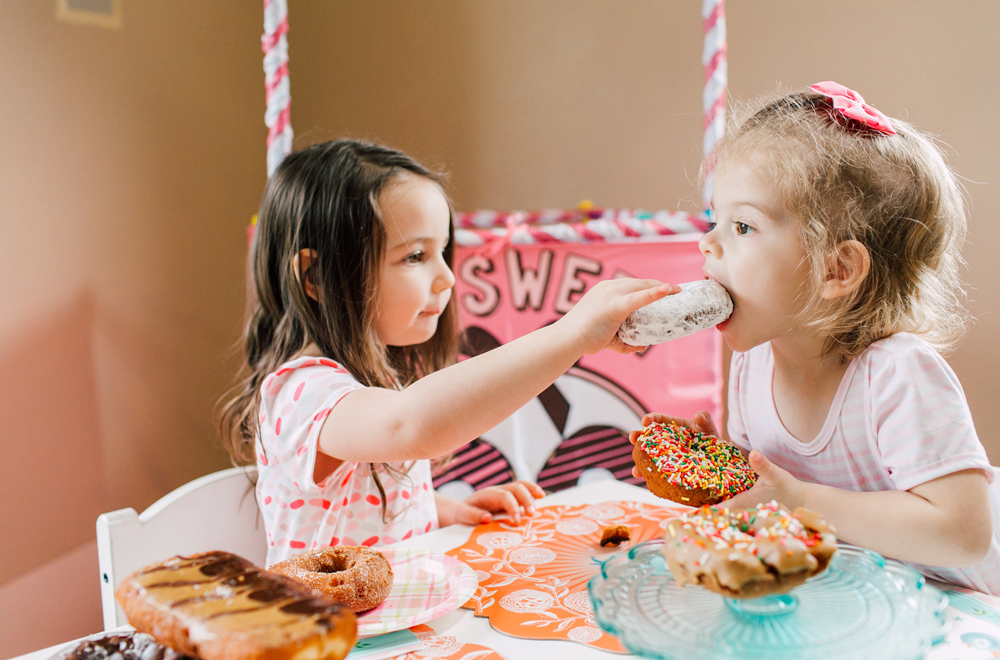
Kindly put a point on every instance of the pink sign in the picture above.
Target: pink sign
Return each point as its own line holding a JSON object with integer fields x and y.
{"x": 577, "y": 429}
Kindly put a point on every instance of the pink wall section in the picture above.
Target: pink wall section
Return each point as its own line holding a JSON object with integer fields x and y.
{"x": 53, "y": 469}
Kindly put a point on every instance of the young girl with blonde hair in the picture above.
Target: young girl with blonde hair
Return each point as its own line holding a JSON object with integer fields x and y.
{"x": 837, "y": 233}
{"x": 349, "y": 385}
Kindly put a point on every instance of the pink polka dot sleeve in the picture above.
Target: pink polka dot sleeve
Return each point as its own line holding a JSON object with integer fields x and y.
{"x": 295, "y": 402}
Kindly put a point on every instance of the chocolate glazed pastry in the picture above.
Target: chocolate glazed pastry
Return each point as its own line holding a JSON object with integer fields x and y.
{"x": 217, "y": 606}
{"x": 119, "y": 646}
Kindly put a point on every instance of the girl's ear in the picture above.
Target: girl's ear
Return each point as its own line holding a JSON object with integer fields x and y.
{"x": 301, "y": 266}
{"x": 847, "y": 268}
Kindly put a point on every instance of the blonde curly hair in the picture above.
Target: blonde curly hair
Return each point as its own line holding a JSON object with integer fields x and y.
{"x": 842, "y": 180}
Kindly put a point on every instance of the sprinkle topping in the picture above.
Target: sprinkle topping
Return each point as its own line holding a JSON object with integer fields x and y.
{"x": 743, "y": 530}
{"x": 691, "y": 460}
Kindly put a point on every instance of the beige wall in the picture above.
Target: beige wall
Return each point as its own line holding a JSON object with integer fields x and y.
{"x": 132, "y": 159}
{"x": 131, "y": 163}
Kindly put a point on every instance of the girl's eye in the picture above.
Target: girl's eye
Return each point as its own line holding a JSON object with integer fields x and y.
{"x": 414, "y": 258}
{"x": 743, "y": 228}
{"x": 711, "y": 225}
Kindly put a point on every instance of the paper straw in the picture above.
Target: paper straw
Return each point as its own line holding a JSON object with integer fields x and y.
{"x": 713, "y": 58}
{"x": 277, "y": 117}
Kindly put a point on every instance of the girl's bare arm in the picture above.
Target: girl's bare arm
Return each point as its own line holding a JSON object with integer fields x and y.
{"x": 451, "y": 407}
{"x": 947, "y": 521}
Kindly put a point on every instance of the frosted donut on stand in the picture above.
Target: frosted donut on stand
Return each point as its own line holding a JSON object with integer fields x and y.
{"x": 699, "y": 305}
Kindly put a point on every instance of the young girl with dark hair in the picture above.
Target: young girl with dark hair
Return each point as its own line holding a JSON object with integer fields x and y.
{"x": 350, "y": 386}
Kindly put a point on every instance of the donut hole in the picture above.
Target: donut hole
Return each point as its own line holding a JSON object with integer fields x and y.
{"x": 335, "y": 564}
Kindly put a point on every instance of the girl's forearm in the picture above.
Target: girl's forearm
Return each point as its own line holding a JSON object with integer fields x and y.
{"x": 494, "y": 385}
{"x": 448, "y": 408}
{"x": 904, "y": 525}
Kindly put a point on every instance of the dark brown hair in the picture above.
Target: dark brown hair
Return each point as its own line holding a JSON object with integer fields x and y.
{"x": 325, "y": 198}
{"x": 842, "y": 180}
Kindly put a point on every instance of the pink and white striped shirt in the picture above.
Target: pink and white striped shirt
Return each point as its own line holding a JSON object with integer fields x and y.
{"x": 899, "y": 419}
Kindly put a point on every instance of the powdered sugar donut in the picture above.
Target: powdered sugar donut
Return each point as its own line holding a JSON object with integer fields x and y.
{"x": 699, "y": 305}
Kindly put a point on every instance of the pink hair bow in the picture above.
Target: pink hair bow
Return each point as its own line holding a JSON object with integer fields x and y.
{"x": 852, "y": 106}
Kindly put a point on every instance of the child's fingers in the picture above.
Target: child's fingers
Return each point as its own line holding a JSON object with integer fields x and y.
{"x": 618, "y": 346}
{"x": 635, "y": 472}
{"x": 467, "y": 514}
{"x": 499, "y": 499}
{"x": 660, "y": 418}
{"x": 744, "y": 500}
{"x": 523, "y": 496}
{"x": 633, "y": 436}
{"x": 650, "y": 293}
{"x": 536, "y": 491}
{"x": 703, "y": 423}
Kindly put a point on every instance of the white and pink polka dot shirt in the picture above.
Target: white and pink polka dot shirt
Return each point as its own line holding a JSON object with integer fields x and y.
{"x": 345, "y": 508}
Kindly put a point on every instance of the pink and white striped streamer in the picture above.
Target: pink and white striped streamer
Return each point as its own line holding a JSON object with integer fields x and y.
{"x": 493, "y": 230}
{"x": 487, "y": 219}
{"x": 277, "y": 118}
{"x": 713, "y": 58}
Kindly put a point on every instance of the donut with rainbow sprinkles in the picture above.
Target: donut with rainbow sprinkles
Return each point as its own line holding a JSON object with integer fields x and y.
{"x": 689, "y": 467}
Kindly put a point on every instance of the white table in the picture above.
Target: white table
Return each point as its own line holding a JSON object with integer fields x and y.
{"x": 465, "y": 627}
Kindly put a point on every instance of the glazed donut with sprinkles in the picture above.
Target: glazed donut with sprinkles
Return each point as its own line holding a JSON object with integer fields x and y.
{"x": 689, "y": 467}
{"x": 748, "y": 553}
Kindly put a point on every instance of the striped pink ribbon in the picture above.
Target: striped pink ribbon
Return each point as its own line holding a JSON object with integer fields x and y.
{"x": 713, "y": 58}
{"x": 277, "y": 117}
{"x": 487, "y": 219}
{"x": 610, "y": 225}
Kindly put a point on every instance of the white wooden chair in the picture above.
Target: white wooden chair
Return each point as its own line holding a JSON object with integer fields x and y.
{"x": 215, "y": 512}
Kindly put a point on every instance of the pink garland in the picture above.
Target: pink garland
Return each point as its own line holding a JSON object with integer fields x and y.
{"x": 494, "y": 230}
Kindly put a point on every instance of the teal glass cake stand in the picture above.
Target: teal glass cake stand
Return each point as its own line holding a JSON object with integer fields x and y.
{"x": 861, "y": 607}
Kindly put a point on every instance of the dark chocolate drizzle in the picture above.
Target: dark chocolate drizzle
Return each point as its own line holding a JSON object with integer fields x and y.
{"x": 119, "y": 646}
{"x": 244, "y": 579}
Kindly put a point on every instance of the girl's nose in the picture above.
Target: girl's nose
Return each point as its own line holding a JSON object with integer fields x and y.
{"x": 444, "y": 279}
{"x": 708, "y": 244}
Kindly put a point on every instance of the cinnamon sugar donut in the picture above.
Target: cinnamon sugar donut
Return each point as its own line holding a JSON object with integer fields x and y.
{"x": 689, "y": 467}
{"x": 751, "y": 553}
{"x": 356, "y": 576}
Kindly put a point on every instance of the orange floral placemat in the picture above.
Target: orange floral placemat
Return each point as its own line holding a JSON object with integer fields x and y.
{"x": 533, "y": 577}
{"x": 445, "y": 647}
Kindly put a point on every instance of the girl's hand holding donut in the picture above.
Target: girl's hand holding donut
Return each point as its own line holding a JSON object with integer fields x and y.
{"x": 773, "y": 483}
{"x": 595, "y": 319}
{"x": 514, "y": 499}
